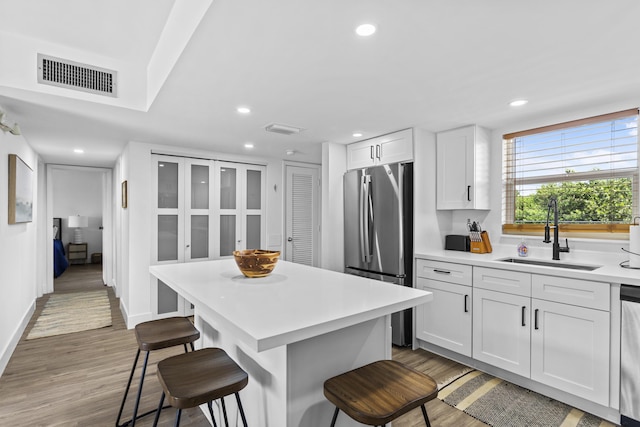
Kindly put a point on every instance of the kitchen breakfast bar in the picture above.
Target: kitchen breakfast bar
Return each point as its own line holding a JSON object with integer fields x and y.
{"x": 290, "y": 331}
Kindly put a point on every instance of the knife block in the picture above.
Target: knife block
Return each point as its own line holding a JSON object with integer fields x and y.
{"x": 482, "y": 246}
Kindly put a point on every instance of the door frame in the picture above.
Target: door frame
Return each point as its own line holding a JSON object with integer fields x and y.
{"x": 108, "y": 268}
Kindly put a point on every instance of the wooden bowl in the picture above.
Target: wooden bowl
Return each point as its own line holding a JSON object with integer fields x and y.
{"x": 256, "y": 262}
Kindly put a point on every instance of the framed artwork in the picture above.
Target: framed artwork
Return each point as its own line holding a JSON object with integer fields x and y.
{"x": 20, "y": 191}
{"x": 124, "y": 194}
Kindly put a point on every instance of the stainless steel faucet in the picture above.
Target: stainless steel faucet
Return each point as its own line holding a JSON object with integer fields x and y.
{"x": 553, "y": 203}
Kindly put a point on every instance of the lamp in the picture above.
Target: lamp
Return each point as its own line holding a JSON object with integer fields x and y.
{"x": 6, "y": 127}
{"x": 78, "y": 222}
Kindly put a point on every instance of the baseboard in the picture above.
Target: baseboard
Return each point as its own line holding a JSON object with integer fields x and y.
{"x": 132, "y": 321}
{"x": 7, "y": 352}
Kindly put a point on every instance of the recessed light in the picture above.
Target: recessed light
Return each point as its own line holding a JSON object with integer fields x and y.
{"x": 518, "y": 102}
{"x": 243, "y": 110}
{"x": 357, "y": 134}
{"x": 290, "y": 152}
{"x": 365, "y": 30}
{"x": 248, "y": 145}
{"x": 78, "y": 150}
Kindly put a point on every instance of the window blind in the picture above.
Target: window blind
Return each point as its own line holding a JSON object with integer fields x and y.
{"x": 590, "y": 165}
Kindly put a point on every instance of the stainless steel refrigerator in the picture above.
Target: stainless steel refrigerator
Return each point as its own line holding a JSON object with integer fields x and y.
{"x": 378, "y": 236}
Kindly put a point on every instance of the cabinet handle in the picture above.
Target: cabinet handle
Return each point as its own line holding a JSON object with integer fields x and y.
{"x": 378, "y": 152}
{"x": 371, "y": 152}
{"x": 535, "y": 319}
{"x": 466, "y": 300}
{"x": 435, "y": 270}
{"x": 468, "y": 193}
{"x": 523, "y": 311}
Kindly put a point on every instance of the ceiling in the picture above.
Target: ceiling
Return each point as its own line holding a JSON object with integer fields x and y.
{"x": 186, "y": 65}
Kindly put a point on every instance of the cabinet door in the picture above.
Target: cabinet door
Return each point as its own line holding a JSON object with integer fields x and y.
{"x": 570, "y": 349}
{"x": 462, "y": 176}
{"x": 445, "y": 321}
{"x": 360, "y": 155}
{"x": 455, "y": 162}
{"x": 392, "y": 148}
{"x": 395, "y": 147}
{"x": 501, "y": 330}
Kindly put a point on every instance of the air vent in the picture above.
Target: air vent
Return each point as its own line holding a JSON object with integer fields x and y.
{"x": 73, "y": 75}
{"x": 283, "y": 129}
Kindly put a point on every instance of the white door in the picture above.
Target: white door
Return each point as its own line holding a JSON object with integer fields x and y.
{"x": 302, "y": 213}
{"x": 239, "y": 206}
{"x": 183, "y": 223}
{"x": 501, "y": 330}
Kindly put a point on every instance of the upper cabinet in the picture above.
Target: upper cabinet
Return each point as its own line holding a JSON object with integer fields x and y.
{"x": 463, "y": 168}
{"x": 392, "y": 148}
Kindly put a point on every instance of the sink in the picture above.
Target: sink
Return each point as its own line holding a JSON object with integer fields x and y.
{"x": 556, "y": 264}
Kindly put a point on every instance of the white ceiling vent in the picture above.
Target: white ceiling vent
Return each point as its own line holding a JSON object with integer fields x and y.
{"x": 283, "y": 129}
{"x": 76, "y": 76}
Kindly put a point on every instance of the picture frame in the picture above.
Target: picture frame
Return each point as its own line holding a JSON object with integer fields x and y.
{"x": 20, "y": 191}
{"x": 124, "y": 194}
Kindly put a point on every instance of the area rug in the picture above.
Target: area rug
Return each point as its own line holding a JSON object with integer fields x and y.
{"x": 499, "y": 403}
{"x": 72, "y": 312}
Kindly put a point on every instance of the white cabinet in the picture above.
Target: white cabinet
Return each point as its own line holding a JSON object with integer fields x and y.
{"x": 570, "y": 343}
{"x": 551, "y": 329}
{"x": 445, "y": 321}
{"x": 501, "y": 319}
{"x": 462, "y": 180}
{"x": 392, "y": 148}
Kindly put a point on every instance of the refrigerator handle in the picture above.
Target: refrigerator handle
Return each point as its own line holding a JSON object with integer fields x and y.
{"x": 364, "y": 219}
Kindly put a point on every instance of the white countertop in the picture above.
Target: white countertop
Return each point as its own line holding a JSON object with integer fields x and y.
{"x": 293, "y": 303}
{"x": 609, "y": 269}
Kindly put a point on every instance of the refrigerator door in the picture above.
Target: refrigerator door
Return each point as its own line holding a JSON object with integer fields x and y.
{"x": 373, "y": 221}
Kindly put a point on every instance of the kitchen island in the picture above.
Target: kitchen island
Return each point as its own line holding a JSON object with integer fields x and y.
{"x": 290, "y": 331}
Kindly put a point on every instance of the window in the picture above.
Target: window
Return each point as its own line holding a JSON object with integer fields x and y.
{"x": 589, "y": 165}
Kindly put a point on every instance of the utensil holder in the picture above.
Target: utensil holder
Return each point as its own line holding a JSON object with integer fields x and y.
{"x": 480, "y": 244}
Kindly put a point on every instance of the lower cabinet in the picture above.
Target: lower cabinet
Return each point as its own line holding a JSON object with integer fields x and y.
{"x": 570, "y": 349}
{"x": 553, "y": 330}
{"x": 445, "y": 321}
{"x": 501, "y": 330}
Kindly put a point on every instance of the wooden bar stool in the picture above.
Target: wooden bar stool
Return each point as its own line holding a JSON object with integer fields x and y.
{"x": 156, "y": 335}
{"x": 191, "y": 379}
{"x": 380, "y": 392}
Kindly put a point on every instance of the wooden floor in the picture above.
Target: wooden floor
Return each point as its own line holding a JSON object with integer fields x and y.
{"x": 78, "y": 379}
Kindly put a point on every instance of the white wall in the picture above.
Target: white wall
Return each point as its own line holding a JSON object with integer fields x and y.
{"x": 334, "y": 165}
{"x": 78, "y": 191}
{"x": 19, "y": 253}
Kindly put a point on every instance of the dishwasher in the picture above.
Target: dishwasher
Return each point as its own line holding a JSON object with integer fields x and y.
{"x": 630, "y": 357}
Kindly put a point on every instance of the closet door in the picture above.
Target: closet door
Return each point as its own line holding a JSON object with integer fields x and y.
{"x": 239, "y": 207}
{"x": 198, "y": 210}
{"x": 183, "y": 220}
{"x": 168, "y": 244}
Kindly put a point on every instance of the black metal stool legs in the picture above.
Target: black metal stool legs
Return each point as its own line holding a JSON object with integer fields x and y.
{"x": 158, "y": 410}
{"x": 132, "y": 421}
{"x": 424, "y": 414}
{"x": 213, "y": 418}
{"x": 244, "y": 419}
{"x": 335, "y": 417}
{"x": 126, "y": 390}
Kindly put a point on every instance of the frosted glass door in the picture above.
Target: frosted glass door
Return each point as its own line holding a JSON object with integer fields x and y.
{"x": 240, "y": 207}
{"x": 198, "y": 209}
